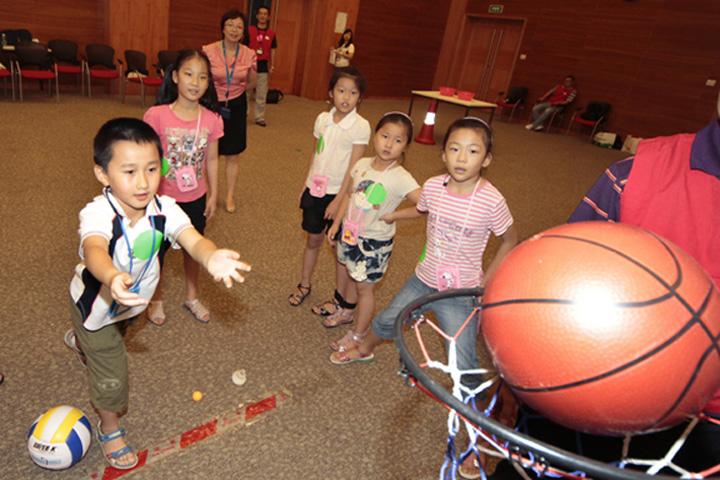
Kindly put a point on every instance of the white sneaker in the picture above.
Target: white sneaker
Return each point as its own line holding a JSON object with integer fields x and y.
{"x": 528, "y": 126}
{"x": 538, "y": 128}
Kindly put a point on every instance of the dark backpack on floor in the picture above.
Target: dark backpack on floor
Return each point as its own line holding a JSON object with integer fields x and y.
{"x": 274, "y": 96}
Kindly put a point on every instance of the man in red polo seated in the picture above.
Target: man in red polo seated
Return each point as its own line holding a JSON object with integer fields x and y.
{"x": 556, "y": 99}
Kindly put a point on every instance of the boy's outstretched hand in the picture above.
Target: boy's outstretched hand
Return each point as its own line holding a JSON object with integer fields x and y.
{"x": 223, "y": 265}
{"x": 120, "y": 291}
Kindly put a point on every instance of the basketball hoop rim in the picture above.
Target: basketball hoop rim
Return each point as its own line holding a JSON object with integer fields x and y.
{"x": 571, "y": 461}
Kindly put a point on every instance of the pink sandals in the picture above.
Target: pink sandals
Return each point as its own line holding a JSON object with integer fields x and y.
{"x": 341, "y": 316}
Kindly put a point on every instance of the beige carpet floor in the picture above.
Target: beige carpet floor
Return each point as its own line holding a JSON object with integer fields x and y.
{"x": 357, "y": 422}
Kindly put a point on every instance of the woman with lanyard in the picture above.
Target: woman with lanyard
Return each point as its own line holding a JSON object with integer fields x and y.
{"x": 234, "y": 70}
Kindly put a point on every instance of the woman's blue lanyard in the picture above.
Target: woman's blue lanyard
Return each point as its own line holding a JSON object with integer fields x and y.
{"x": 135, "y": 288}
{"x": 228, "y": 73}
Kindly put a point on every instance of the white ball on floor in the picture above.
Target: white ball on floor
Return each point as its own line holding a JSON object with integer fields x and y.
{"x": 59, "y": 438}
{"x": 239, "y": 377}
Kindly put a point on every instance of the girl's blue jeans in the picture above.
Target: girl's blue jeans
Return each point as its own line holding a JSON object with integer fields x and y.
{"x": 451, "y": 313}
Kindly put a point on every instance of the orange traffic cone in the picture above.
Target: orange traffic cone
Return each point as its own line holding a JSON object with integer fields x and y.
{"x": 426, "y": 132}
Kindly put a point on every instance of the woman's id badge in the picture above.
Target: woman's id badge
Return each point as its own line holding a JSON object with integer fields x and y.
{"x": 448, "y": 277}
{"x": 351, "y": 232}
{"x": 186, "y": 178}
{"x": 319, "y": 186}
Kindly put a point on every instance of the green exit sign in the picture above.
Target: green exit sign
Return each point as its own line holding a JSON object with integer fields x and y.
{"x": 495, "y": 9}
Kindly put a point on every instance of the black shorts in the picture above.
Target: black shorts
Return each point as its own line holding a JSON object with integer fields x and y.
{"x": 196, "y": 211}
{"x": 313, "y": 208}
{"x": 234, "y": 141}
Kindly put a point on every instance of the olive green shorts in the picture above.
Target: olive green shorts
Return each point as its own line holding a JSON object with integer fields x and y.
{"x": 107, "y": 365}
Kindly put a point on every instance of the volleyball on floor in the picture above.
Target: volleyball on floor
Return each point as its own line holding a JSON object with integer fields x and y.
{"x": 59, "y": 438}
{"x": 605, "y": 328}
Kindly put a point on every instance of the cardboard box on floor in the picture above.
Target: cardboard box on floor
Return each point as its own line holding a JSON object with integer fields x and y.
{"x": 630, "y": 144}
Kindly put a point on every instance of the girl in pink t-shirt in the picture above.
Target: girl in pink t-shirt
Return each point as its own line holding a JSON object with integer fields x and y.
{"x": 184, "y": 117}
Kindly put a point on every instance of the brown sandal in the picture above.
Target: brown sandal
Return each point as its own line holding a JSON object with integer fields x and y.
{"x": 296, "y": 299}
{"x": 322, "y": 308}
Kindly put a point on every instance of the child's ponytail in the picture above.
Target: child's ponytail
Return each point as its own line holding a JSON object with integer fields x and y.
{"x": 167, "y": 93}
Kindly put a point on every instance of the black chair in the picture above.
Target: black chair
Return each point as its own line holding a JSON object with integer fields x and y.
{"x": 136, "y": 72}
{"x": 100, "y": 64}
{"x": 12, "y": 37}
{"x": 7, "y": 60}
{"x": 65, "y": 54}
{"x": 558, "y": 115}
{"x": 165, "y": 59}
{"x": 595, "y": 115}
{"x": 34, "y": 62}
{"x": 514, "y": 100}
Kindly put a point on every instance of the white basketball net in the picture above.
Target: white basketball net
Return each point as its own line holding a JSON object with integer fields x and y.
{"x": 482, "y": 441}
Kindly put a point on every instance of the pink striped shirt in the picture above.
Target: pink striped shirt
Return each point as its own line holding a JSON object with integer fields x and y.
{"x": 458, "y": 229}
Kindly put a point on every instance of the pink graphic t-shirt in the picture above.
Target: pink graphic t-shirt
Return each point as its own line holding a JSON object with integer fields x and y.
{"x": 185, "y": 149}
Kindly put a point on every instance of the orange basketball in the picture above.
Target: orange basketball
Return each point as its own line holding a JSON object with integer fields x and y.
{"x": 605, "y": 328}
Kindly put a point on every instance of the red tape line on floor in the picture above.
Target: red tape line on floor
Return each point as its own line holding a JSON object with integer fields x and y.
{"x": 202, "y": 432}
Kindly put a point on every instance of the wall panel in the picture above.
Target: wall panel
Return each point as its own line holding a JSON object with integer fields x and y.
{"x": 320, "y": 22}
{"x": 82, "y": 21}
{"x": 138, "y": 25}
{"x": 398, "y": 44}
{"x": 649, "y": 58}
{"x": 192, "y": 25}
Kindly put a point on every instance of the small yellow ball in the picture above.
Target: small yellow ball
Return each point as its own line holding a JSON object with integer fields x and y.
{"x": 197, "y": 395}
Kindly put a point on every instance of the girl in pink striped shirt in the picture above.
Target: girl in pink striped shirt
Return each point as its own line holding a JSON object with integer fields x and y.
{"x": 463, "y": 209}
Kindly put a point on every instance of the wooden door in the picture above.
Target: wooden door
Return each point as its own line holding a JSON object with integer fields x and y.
{"x": 485, "y": 55}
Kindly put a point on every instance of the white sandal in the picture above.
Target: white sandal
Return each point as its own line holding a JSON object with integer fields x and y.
{"x": 198, "y": 310}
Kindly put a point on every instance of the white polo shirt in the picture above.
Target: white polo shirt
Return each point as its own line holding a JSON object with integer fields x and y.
{"x": 336, "y": 142}
{"x": 97, "y": 218}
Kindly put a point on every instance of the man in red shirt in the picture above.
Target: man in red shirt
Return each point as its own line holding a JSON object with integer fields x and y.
{"x": 555, "y": 100}
{"x": 262, "y": 39}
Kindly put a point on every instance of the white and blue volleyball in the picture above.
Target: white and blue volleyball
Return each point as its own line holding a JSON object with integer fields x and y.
{"x": 59, "y": 438}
